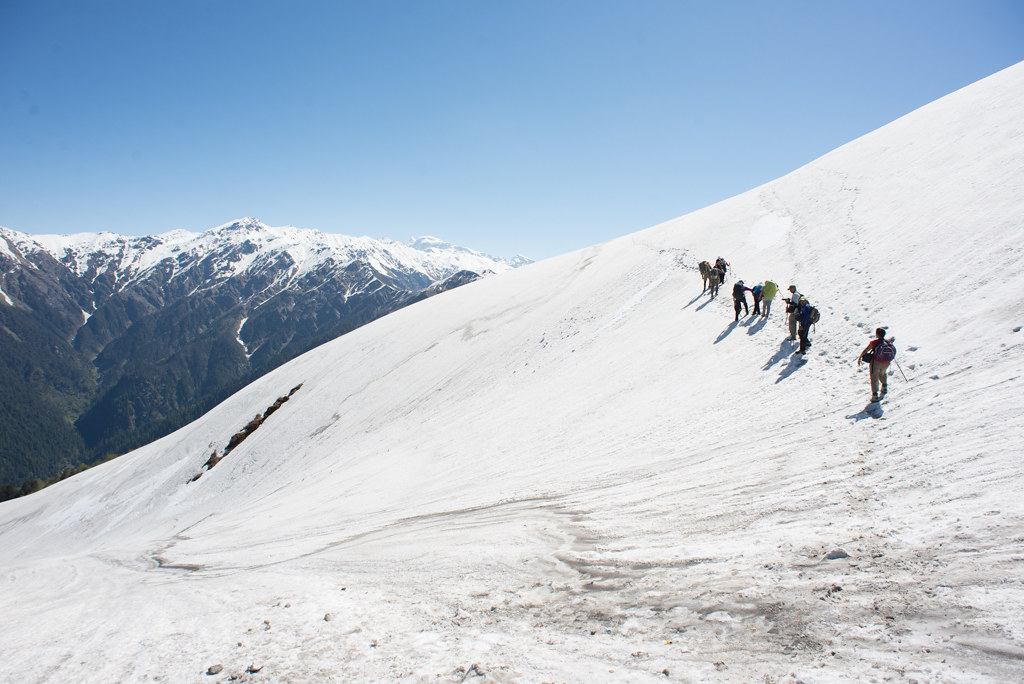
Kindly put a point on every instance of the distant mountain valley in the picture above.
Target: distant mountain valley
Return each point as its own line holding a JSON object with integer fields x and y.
{"x": 110, "y": 342}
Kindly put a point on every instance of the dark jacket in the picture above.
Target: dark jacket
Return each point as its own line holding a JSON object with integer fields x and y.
{"x": 804, "y": 316}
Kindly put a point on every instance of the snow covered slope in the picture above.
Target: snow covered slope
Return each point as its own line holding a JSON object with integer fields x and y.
{"x": 583, "y": 470}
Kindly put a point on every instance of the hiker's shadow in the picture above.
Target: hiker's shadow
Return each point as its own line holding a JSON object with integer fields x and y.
{"x": 873, "y": 411}
{"x": 785, "y": 349}
{"x": 760, "y": 323}
{"x": 690, "y": 303}
{"x": 702, "y": 305}
{"x": 796, "y": 361}
{"x": 725, "y": 333}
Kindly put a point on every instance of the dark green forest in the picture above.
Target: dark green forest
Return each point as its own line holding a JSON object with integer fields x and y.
{"x": 151, "y": 359}
{"x": 44, "y": 383}
{"x": 56, "y": 419}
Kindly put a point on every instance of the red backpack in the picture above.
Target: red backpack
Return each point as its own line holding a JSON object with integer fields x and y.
{"x": 884, "y": 351}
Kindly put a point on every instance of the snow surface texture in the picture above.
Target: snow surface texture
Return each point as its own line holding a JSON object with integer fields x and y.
{"x": 583, "y": 470}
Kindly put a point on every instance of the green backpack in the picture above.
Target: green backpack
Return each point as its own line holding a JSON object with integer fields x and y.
{"x": 770, "y": 290}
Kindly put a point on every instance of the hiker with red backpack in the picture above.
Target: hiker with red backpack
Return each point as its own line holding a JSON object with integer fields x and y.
{"x": 723, "y": 266}
{"x": 879, "y": 353}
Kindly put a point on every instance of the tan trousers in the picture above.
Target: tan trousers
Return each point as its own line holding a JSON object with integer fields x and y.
{"x": 878, "y": 377}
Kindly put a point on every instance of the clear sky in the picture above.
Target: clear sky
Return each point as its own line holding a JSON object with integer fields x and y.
{"x": 508, "y": 127}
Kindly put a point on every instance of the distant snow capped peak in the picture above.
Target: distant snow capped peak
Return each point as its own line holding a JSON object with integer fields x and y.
{"x": 247, "y": 237}
{"x": 433, "y": 245}
{"x": 427, "y": 242}
{"x": 246, "y": 222}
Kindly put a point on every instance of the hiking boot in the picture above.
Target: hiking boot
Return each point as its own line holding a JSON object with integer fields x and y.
{"x": 874, "y": 400}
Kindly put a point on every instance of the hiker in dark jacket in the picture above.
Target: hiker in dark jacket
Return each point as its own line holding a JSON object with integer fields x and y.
{"x": 756, "y": 293}
{"x": 739, "y": 298}
{"x": 804, "y": 323}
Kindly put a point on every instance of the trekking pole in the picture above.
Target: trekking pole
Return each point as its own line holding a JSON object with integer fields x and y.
{"x": 901, "y": 370}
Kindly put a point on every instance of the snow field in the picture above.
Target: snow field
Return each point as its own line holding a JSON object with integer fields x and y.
{"x": 583, "y": 470}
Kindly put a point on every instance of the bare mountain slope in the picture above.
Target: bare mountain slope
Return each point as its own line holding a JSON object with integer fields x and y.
{"x": 129, "y": 338}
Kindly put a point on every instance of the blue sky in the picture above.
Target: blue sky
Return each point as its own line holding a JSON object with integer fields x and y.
{"x": 508, "y": 127}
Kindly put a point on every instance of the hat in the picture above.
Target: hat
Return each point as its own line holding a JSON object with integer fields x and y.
{"x": 803, "y": 299}
{"x": 792, "y": 288}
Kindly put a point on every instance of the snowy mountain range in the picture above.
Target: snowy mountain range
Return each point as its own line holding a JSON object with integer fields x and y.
{"x": 586, "y": 471}
{"x": 144, "y": 333}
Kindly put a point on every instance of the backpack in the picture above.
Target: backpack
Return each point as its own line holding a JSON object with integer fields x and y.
{"x": 885, "y": 351}
{"x": 814, "y": 316}
{"x": 770, "y": 289}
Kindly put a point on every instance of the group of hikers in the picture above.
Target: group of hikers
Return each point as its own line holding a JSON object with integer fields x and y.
{"x": 802, "y": 315}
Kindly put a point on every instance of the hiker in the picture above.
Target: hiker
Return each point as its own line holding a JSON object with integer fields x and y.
{"x": 739, "y": 298}
{"x": 878, "y": 354}
{"x": 705, "y": 271}
{"x": 793, "y": 309}
{"x": 804, "y": 315}
{"x": 723, "y": 265}
{"x": 714, "y": 280}
{"x": 768, "y": 293}
{"x": 757, "y": 292}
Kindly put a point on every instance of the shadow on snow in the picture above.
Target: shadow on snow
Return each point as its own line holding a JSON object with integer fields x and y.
{"x": 873, "y": 411}
{"x": 757, "y": 326}
{"x": 690, "y": 303}
{"x": 725, "y": 333}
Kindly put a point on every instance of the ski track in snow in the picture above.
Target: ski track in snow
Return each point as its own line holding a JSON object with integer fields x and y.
{"x": 586, "y": 471}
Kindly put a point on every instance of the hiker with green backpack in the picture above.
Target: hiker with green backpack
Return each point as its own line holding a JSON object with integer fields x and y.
{"x": 715, "y": 277}
{"x": 768, "y": 292}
